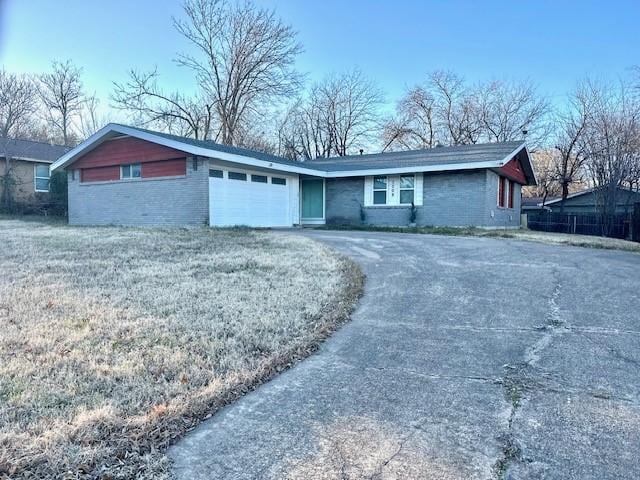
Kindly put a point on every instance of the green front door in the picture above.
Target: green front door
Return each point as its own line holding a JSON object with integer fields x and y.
{"x": 312, "y": 199}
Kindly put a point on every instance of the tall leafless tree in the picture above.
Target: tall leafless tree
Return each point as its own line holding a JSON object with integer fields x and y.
{"x": 243, "y": 57}
{"x": 174, "y": 112}
{"x": 508, "y": 108}
{"x": 62, "y": 95}
{"x": 544, "y": 162}
{"x": 446, "y": 110}
{"x": 612, "y": 143}
{"x": 414, "y": 125}
{"x": 18, "y": 104}
{"x": 570, "y": 153}
{"x": 339, "y": 116}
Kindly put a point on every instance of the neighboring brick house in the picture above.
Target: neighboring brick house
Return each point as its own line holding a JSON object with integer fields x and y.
{"x": 29, "y": 164}
{"x": 132, "y": 176}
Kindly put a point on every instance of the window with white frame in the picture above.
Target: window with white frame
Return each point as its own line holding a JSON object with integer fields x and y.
{"x": 379, "y": 190}
{"x": 133, "y": 170}
{"x": 407, "y": 185}
{"x": 393, "y": 190}
{"x": 41, "y": 178}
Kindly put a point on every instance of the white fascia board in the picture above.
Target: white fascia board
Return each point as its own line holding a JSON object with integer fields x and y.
{"x": 28, "y": 159}
{"x": 506, "y": 159}
{"x": 73, "y": 153}
{"x": 533, "y": 170}
{"x": 416, "y": 169}
{"x": 184, "y": 147}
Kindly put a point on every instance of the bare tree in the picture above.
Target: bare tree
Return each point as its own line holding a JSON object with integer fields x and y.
{"x": 18, "y": 103}
{"x": 446, "y": 110}
{"x": 508, "y": 108}
{"x": 569, "y": 155}
{"x": 339, "y": 116}
{"x": 414, "y": 125}
{"x": 91, "y": 119}
{"x": 243, "y": 57}
{"x": 353, "y": 102}
{"x": 456, "y": 108}
{"x": 544, "y": 162}
{"x": 62, "y": 94}
{"x": 612, "y": 143}
{"x": 153, "y": 107}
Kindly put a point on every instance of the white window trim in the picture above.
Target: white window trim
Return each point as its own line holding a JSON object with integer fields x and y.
{"x": 393, "y": 190}
{"x": 385, "y": 190}
{"x": 130, "y": 177}
{"x": 36, "y": 177}
{"x": 400, "y": 190}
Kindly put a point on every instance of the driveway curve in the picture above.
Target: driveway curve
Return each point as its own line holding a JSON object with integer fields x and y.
{"x": 468, "y": 358}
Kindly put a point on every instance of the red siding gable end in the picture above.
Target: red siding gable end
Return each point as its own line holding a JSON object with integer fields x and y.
{"x": 513, "y": 170}
{"x": 122, "y": 151}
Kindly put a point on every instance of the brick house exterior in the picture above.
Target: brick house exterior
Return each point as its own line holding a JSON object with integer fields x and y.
{"x": 29, "y": 175}
{"x": 130, "y": 176}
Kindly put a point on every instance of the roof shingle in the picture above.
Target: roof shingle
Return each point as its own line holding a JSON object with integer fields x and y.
{"x": 30, "y": 150}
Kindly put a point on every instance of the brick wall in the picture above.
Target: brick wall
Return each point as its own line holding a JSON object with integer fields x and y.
{"x": 23, "y": 189}
{"x": 450, "y": 199}
{"x": 155, "y": 201}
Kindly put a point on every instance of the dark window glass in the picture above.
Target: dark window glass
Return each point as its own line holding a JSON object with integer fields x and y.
{"x": 237, "y": 176}
{"x": 380, "y": 197}
{"x": 259, "y": 178}
{"x": 278, "y": 181}
{"x": 215, "y": 173}
{"x": 406, "y": 196}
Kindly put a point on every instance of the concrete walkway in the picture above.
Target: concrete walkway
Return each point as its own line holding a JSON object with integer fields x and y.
{"x": 467, "y": 358}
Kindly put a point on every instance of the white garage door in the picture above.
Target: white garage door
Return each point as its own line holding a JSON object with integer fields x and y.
{"x": 238, "y": 197}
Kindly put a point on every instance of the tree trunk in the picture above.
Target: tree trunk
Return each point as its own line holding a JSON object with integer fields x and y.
{"x": 565, "y": 194}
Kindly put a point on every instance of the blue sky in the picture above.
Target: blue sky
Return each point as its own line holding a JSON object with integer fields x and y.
{"x": 552, "y": 43}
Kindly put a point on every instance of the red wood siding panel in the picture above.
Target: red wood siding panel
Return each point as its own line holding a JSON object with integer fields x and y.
{"x": 165, "y": 168}
{"x": 100, "y": 174}
{"x": 513, "y": 170}
{"x": 126, "y": 150}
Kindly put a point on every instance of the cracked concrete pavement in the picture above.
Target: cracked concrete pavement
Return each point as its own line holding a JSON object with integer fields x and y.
{"x": 467, "y": 358}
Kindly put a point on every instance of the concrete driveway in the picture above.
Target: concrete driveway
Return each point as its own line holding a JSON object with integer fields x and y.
{"x": 467, "y": 358}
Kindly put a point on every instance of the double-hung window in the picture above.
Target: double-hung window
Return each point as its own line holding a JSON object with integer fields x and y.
{"x": 407, "y": 185}
{"x": 132, "y": 170}
{"x": 41, "y": 178}
{"x": 379, "y": 190}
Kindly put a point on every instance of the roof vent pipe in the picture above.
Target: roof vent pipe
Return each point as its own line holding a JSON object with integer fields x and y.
{"x": 361, "y": 151}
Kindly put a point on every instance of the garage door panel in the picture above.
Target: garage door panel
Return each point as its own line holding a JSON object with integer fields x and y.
{"x": 254, "y": 204}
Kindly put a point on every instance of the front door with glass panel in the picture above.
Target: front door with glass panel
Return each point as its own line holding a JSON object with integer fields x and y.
{"x": 312, "y": 200}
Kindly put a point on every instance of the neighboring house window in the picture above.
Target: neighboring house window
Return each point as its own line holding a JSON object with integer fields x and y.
{"x": 278, "y": 181}
{"x": 501, "y": 192}
{"x": 511, "y": 189}
{"x": 407, "y": 184}
{"x": 215, "y": 173}
{"x": 131, "y": 171}
{"x": 259, "y": 178}
{"x": 237, "y": 176}
{"x": 41, "y": 178}
{"x": 379, "y": 190}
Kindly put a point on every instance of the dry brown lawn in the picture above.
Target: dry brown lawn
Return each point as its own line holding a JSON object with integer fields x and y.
{"x": 115, "y": 341}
